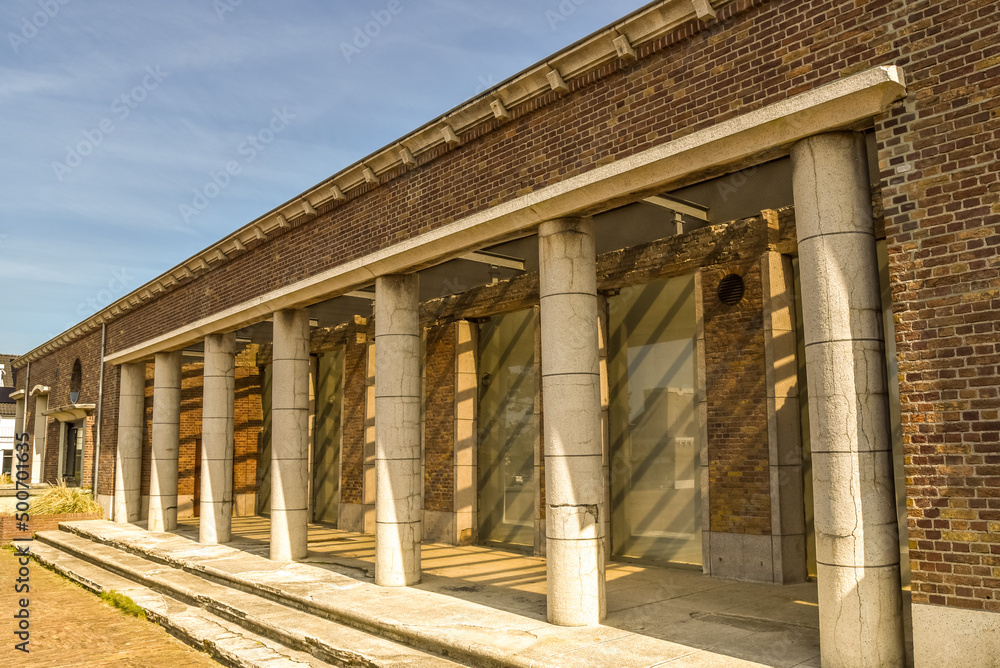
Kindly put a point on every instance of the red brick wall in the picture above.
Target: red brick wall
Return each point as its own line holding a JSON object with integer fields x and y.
{"x": 352, "y": 449}
{"x": 192, "y": 391}
{"x": 55, "y": 372}
{"x": 248, "y": 422}
{"x": 939, "y": 169}
{"x": 439, "y": 418}
{"x": 739, "y": 492}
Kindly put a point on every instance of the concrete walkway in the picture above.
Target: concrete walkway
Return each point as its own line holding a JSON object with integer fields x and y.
{"x": 486, "y": 607}
{"x": 656, "y": 616}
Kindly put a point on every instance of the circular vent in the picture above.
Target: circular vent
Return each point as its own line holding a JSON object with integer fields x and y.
{"x": 731, "y": 289}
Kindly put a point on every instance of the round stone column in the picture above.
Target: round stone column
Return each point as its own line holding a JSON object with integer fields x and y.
{"x": 128, "y": 453}
{"x": 165, "y": 437}
{"x": 290, "y": 436}
{"x": 571, "y": 394}
{"x": 857, "y": 539}
{"x": 398, "y": 485}
{"x": 217, "y": 439}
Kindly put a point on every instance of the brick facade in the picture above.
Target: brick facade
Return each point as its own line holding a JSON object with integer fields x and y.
{"x": 739, "y": 493}
{"x": 352, "y": 449}
{"x": 439, "y": 418}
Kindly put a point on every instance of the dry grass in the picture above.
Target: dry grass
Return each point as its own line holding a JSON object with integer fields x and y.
{"x": 63, "y": 499}
{"x": 5, "y": 479}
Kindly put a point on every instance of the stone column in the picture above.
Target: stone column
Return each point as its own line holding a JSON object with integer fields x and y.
{"x": 857, "y": 550}
{"x": 571, "y": 392}
{"x": 397, "y": 431}
{"x": 217, "y": 439}
{"x": 38, "y": 443}
{"x": 128, "y": 454}
{"x": 165, "y": 438}
{"x": 290, "y": 436}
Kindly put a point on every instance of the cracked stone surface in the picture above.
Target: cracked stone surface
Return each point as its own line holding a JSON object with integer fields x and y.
{"x": 398, "y": 507}
{"x": 165, "y": 438}
{"x": 856, "y": 537}
{"x": 290, "y": 435}
{"x": 574, "y": 456}
{"x": 128, "y": 454}
{"x": 217, "y": 443}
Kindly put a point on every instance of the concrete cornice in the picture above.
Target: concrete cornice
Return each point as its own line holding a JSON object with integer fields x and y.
{"x": 39, "y": 390}
{"x": 845, "y": 103}
{"x": 555, "y": 73}
{"x": 20, "y": 394}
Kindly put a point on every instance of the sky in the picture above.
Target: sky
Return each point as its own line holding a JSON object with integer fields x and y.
{"x": 116, "y": 114}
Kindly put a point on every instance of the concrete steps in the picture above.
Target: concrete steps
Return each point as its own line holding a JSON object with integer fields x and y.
{"x": 442, "y": 626}
{"x": 236, "y": 626}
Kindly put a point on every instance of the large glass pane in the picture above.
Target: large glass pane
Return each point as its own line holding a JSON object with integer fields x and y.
{"x": 264, "y": 444}
{"x": 655, "y": 438}
{"x": 508, "y": 429}
{"x": 326, "y": 459}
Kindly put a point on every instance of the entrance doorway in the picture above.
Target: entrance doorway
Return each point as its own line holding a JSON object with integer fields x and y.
{"x": 73, "y": 454}
{"x": 655, "y": 436}
{"x": 508, "y": 430}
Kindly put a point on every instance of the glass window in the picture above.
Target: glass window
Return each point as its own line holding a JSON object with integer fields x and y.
{"x": 326, "y": 458}
{"x": 655, "y": 436}
{"x": 507, "y": 429}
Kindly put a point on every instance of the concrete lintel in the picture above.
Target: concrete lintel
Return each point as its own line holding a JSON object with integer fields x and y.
{"x": 840, "y": 104}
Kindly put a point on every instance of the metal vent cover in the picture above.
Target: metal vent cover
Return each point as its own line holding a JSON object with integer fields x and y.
{"x": 731, "y": 289}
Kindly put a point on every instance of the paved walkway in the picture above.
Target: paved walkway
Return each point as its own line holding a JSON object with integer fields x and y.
{"x": 705, "y": 622}
{"x": 72, "y": 627}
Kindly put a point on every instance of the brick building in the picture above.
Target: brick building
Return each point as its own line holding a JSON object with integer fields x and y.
{"x": 715, "y": 286}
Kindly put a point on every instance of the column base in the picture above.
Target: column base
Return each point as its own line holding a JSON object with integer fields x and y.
{"x": 861, "y": 617}
{"x": 575, "y": 572}
{"x": 289, "y": 534}
{"x": 397, "y": 554}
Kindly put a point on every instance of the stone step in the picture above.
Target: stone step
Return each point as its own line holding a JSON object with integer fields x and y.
{"x": 461, "y": 630}
{"x": 226, "y": 642}
{"x": 328, "y": 640}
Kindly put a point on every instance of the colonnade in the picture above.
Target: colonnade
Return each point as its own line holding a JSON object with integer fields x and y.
{"x": 855, "y": 512}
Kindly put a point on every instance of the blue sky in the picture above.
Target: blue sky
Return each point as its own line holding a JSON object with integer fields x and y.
{"x": 116, "y": 113}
